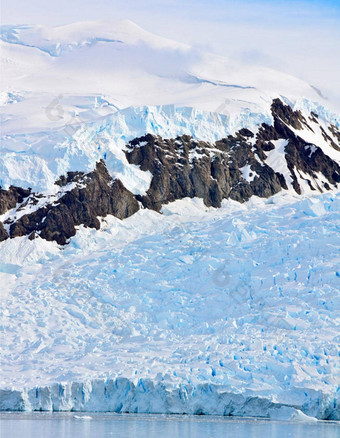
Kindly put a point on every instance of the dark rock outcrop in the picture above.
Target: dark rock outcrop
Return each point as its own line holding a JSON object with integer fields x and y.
{"x": 336, "y": 132}
{"x": 11, "y": 197}
{"x": 300, "y": 155}
{"x": 96, "y": 194}
{"x": 288, "y": 116}
{"x": 3, "y": 233}
{"x": 184, "y": 167}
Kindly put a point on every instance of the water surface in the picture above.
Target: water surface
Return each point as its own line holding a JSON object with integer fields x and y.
{"x": 99, "y": 425}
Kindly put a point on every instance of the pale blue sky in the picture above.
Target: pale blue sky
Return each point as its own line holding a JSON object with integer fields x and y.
{"x": 299, "y": 37}
{"x": 64, "y": 11}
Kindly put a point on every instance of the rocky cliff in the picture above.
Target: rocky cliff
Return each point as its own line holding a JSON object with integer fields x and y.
{"x": 277, "y": 157}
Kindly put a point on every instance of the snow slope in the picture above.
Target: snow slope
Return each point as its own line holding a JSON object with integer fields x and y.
{"x": 126, "y": 66}
{"x": 243, "y": 297}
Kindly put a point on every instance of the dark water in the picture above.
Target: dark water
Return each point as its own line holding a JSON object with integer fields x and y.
{"x": 81, "y": 425}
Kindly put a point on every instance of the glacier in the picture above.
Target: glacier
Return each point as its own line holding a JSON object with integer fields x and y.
{"x": 192, "y": 311}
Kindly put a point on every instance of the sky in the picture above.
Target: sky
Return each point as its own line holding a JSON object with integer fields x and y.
{"x": 298, "y": 37}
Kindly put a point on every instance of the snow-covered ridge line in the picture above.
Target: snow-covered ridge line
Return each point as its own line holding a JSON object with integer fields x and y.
{"x": 276, "y": 158}
{"x": 36, "y": 160}
{"x": 59, "y": 49}
{"x": 81, "y": 34}
{"x": 122, "y": 395}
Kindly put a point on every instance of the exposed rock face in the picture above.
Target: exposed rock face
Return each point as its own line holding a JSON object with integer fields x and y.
{"x": 236, "y": 167}
{"x": 334, "y": 130}
{"x": 3, "y": 233}
{"x": 95, "y": 194}
{"x": 11, "y": 197}
{"x": 304, "y": 160}
{"x": 183, "y": 167}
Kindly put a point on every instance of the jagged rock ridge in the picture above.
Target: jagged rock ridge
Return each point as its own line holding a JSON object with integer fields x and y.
{"x": 89, "y": 196}
{"x": 236, "y": 167}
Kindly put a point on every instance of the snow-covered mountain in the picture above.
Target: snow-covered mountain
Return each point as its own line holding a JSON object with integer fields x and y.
{"x": 162, "y": 248}
{"x": 98, "y": 68}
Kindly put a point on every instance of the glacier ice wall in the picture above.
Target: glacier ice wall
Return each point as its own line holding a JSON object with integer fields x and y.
{"x": 145, "y": 396}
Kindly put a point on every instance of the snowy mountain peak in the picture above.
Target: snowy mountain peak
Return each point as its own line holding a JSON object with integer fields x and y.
{"x": 134, "y": 67}
{"x": 160, "y": 237}
{"x": 57, "y": 41}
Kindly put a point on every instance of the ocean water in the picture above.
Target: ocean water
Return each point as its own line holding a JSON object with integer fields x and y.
{"x": 92, "y": 425}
